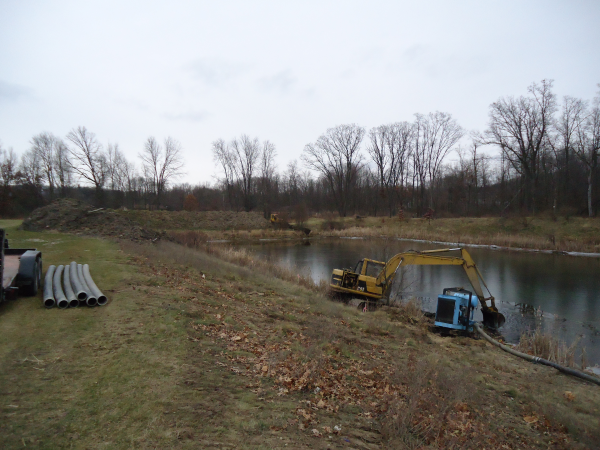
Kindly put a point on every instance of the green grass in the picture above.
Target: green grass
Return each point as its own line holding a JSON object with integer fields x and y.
{"x": 161, "y": 366}
{"x": 86, "y": 376}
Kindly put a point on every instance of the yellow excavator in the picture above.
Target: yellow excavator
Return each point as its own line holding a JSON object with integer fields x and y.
{"x": 282, "y": 223}
{"x": 372, "y": 280}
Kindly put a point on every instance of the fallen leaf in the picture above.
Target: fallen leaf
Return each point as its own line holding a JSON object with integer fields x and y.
{"x": 530, "y": 419}
{"x": 316, "y": 432}
{"x": 320, "y": 404}
{"x": 569, "y": 396}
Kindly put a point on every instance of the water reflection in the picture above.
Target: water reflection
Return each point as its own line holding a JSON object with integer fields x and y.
{"x": 560, "y": 294}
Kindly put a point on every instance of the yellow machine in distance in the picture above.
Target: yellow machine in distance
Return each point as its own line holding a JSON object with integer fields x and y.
{"x": 282, "y": 223}
{"x": 373, "y": 280}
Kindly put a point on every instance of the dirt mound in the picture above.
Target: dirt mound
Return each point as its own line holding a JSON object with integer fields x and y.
{"x": 73, "y": 216}
{"x": 200, "y": 220}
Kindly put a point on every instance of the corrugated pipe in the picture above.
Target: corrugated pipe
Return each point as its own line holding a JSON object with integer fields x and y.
{"x": 76, "y": 284}
{"x": 48, "y": 294}
{"x": 535, "y": 359}
{"x": 91, "y": 300}
{"x": 102, "y": 300}
{"x": 71, "y": 297}
{"x": 59, "y": 295}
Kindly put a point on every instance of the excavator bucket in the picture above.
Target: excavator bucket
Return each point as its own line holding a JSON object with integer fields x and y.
{"x": 492, "y": 318}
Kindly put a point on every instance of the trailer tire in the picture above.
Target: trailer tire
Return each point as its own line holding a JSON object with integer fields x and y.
{"x": 33, "y": 288}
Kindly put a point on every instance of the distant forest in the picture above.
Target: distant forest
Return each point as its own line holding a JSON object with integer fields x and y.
{"x": 547, "y": 161}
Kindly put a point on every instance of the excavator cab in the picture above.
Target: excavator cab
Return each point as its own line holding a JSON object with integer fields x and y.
{"x": 362, "y": 281}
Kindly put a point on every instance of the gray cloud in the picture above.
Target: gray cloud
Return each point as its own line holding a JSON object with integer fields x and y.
{"x": 282, "y": 81}
{"x": 13, "y": 92}
{"x": 191, "y": 116}
{"x": 437, "y": 64}
{"x": 215, "y": 71}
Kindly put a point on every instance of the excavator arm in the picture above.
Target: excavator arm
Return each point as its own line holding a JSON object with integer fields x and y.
{"x": 385, "y": 279}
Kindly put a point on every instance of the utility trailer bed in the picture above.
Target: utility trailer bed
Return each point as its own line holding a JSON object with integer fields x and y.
{"x": 20, "y": 270}
{"x": 11, "y": 269}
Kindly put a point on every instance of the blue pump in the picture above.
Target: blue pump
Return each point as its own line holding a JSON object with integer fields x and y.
{"x": 455, "y": 309}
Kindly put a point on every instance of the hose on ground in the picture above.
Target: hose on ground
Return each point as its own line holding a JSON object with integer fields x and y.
{"x": 102, "y": 300}
{"x": 536, "y": 359}
{"x": 91, "y": 300}
{"x": 48, "y": 294}
{"x": 59, "y": 295}
{"x": 78, "y": 288}
{"x": 71, "y": 297}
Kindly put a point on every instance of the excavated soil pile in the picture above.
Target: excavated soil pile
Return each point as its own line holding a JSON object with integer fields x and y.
{"x": 73, "y": 216}
{"x": 200, "y": 220}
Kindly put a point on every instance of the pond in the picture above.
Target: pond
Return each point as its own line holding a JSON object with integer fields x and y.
{"x": 559, "y": 294}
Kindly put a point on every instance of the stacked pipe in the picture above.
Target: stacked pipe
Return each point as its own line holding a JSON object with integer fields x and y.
{"x": 79, "y": 287}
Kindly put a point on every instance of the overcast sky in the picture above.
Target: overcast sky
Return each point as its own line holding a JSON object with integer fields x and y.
{"x": 278, "y": 70}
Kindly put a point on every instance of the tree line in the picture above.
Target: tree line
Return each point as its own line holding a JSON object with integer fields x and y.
{"x": 80, "y": 166}
{"x": 546, "y": 159}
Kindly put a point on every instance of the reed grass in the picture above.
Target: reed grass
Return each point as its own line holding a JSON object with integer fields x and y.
{"x": 544, "y": 345}
{"x": 574, "y": 235}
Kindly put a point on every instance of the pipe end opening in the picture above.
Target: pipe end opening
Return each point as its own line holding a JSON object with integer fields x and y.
{"x": 81, "y": 295}
{"x": 49, "y": 302}
{"x": 102, "y": 300}
{"x": 91, "y": 301}
{"x": 63, "y": 303}
{"x": 73, "y": 303}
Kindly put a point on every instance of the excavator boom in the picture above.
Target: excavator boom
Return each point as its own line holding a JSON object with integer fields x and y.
{"x": 378, "y": 287}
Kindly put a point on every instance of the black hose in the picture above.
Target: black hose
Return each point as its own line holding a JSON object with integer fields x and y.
{"x": 48, "y": 294}
{"x": 536, "y": 359}
{"x": 102, "y": 300}
{"x": 71, "y": 297}
{"x": 91, "y": 300}
{"x": 78, "y": 288}
{"x": 59, "y": 295}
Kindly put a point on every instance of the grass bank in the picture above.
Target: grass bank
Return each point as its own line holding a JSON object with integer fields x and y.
{"x": 573, "y": 234}
{"x": 563, "y": 234}
{"x": 194, "y": 351}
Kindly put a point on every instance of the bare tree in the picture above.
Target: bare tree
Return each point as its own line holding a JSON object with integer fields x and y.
{"x": 62, "y": 166}
{"x": 246, "y": 156}
{"x": 390, "y": 149}
{"x": 587, "y": 146}
{"x": 267, "y": 175}
{"x": 520, "y": 127}
{"x": 439, "y": 132}
{"x": 223, "y": 155}
{"x": 8, "y": 176}
{"x": 88, "y": 160}
{"x": 570, "y": 118}
{"x": 381, "y": 155}
{"x": 8, "y": 166}
{"x": 30, "y": 171}
{"x": 161, "y": 165}
{"x": 474, "y": 166}
{"x": 336, "y": 156}
{"x": 43, "y": 145}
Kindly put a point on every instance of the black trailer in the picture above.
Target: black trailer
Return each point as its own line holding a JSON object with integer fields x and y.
{"x": 20, "y": 270}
